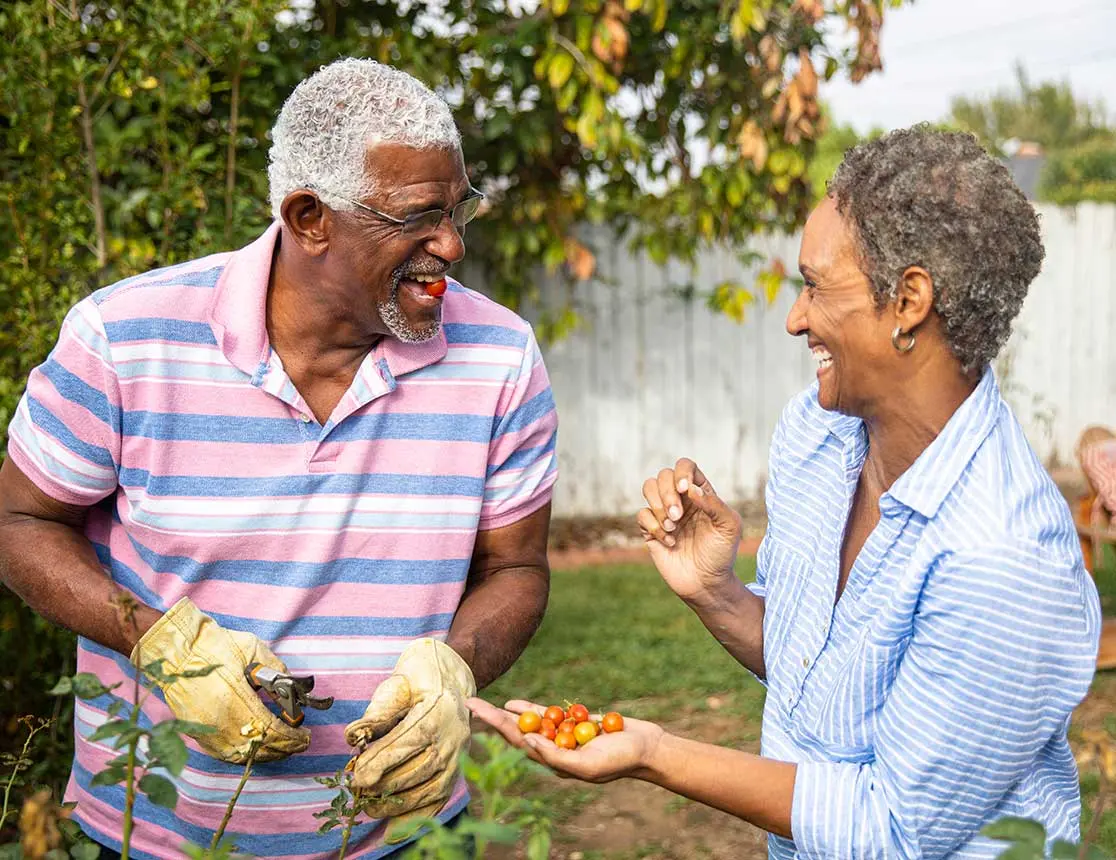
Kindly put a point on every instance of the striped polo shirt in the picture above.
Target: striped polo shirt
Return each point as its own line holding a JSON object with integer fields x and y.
{"x": 164, "y": 408}
{"x": 934, "y": 697}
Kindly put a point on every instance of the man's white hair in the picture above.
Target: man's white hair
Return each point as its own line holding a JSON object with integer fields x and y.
{"x": 326, "y": 125}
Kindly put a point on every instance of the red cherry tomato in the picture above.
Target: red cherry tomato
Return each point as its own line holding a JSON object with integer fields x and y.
{"x": 585, "y": 732}
{"x": 579, "y": 713}
{"x": 567, "y": 726}
{"x": 612, "y": 722}
{"x": 548, "y": 730}
{"x": 437, "y": 288}
{"x": 566, "y": 740}
{"x": 554, "y": 714}
{"x": 529, "y": 722}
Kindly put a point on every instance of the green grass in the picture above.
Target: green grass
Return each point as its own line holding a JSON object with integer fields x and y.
{"x": 615, "y": 635}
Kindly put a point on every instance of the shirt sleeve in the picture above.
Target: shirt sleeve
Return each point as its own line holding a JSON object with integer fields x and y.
{"x": 522, "y": 458}
{"x": 65, "y": 435}
{"x": 1003, "y": 648}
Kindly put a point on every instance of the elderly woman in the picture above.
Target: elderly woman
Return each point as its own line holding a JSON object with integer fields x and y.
{"x": 921, "y": 615}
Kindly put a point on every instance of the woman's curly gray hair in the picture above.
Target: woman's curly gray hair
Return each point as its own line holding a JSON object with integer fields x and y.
{"x": 935, "y": 199}
{"x": 326, "y": 125}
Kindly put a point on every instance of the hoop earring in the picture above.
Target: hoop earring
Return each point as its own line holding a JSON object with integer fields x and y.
{"x": 905, "y": 346}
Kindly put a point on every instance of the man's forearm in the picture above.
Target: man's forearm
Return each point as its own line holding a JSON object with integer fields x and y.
{"x": 734, "y": 615}
{"x": 497, "y": 618}
{"x": 55, "y": 570}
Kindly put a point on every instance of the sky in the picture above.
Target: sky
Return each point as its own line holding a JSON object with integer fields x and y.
{"x": 934, "y": 50}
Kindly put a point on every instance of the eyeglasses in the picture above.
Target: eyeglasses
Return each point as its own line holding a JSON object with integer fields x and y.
{"x": 420, "y": 225}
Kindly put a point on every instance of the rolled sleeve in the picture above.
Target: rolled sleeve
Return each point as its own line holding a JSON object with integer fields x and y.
{"x": 967, "y": 716}
{"x": 522, "y": 463}
{"x": 65, "y": 435}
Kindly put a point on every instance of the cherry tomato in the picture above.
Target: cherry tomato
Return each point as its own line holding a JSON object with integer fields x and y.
{"x": 585, "y": 732}
{"x": 554, "y": 714}
{"x": 529, "y": 722}
{"x": 579, "y": 713}
{"x": 567, "y": 726}
{"x": 566, "y": 740}
{"x": 548, "y": 730}
{"x": 612, "y": 722}
{"x": 437, "y": 288}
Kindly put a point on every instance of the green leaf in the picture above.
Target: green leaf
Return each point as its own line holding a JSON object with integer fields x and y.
{"x": 560, "y": 68}
{"x": 492, "y": 831}
{"x": 109, "y": 776}
{"x": 1011, "y": 829}
{"x": 159, "y": 790}
{"x": 86, "y": 685}
{"x": 538, "y": 845}
{"x": 63, "y": 688}
{"x": 329, "y": 825}
{"x": 168, "y": 748}
{"x": 109, "y": 730}
{"x": 85, "y": 851}
{"x": 1062, "y": 850}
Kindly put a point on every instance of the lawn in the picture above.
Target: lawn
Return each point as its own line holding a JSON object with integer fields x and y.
{"x": 617, "y": 637}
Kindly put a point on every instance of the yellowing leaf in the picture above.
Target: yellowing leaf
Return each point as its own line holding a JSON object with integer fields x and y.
{"x": 560, "y": 69}
{"x": 149, "y": 83}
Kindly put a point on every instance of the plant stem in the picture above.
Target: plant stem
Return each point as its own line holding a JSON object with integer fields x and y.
{"x": 1098, "y": 808}
{"x": 129, "y": 793}
{"x": 236, "y": 796}
{"x": 16, "y": 769}
{"x": 347, "y": 832}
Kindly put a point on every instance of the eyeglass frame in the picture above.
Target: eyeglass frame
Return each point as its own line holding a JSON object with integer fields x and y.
{"x": 402, "y": 223}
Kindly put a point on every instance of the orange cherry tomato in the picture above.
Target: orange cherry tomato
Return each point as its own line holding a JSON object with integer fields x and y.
{"x": 566, "y": 740}
{"x": 579, "y": 713}
{"x": 554, "y": 714}
{"x": 585, "y": 732}
{"x": 612, "y": 722}
{"x": 529, "y": 722}
{"x": 567, "y": 726}
{"x": 548, "y": 730}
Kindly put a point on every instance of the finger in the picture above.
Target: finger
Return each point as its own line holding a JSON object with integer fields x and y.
{"x": 672, "y": 502}
{"x": 400, "y": 745}
{"x": 707, "y": 501}
{"x": 654, "y": 501}
{"x": 652, "y": 529}
{"x": 518, "y": 706}
{"x": 389, "y": 705}
{"x": 414, "y": 771}
{"x": 688, "y": 475}
{"x": 504, "y": 722}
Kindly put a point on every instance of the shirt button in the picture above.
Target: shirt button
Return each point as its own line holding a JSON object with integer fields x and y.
{"x": 305, "y": 418}
{"x": 805, "y": 662}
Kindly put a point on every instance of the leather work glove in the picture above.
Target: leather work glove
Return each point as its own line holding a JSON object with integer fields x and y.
{"x": 412, "y": 733}
{"x": 186, "y": 638}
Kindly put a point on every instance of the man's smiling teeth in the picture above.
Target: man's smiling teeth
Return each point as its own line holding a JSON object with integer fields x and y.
{"x": 822, "y": 356}
{"x": 425, "y": 279}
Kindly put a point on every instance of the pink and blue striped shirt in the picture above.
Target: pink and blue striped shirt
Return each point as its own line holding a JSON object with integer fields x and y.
{"x": 164, "y": 409}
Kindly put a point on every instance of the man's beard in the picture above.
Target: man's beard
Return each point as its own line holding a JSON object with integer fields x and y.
{"x": 392, "y": 316}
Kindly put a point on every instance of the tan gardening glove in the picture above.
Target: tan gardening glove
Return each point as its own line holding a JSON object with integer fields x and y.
{"x": 186, "y": 638}
{"x": 412, "y": 733}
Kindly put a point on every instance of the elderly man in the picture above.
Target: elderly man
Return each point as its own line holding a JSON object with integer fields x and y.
{"x": 314, "y": 453}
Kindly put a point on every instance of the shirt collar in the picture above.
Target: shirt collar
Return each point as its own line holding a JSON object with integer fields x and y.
{"x": 239, "y": 314}
{"x": 925, "y": 485}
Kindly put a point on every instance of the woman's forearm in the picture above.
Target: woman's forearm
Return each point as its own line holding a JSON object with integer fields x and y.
{"x": 734, "y": 615}
{"x": 757, "y": 790}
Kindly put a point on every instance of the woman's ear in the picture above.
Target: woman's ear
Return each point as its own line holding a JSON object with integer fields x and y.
{"x": 308, "y": 221}
{"x": 914, "y": 298}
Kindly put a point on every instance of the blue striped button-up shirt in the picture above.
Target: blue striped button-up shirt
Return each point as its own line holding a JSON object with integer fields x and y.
{"x": 934, "y": 697}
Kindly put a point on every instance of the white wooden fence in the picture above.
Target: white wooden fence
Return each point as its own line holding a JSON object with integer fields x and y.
{"x": 652, "y": 376}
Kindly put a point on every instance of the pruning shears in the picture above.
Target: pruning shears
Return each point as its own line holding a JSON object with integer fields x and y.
{"x": 290, "y": 692}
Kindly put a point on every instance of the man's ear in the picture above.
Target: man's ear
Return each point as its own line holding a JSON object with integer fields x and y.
{"x": 308, "y": 221}
{"x": 914, "y": 298}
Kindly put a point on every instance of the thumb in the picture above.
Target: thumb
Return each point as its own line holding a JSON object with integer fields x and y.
{"x": 708, "y": 502}
{"x": 389, "y": 705}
